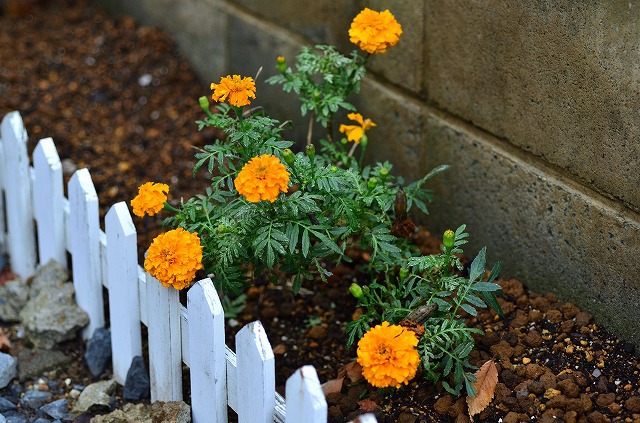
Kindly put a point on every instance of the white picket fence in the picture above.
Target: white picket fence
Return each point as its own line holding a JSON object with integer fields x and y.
{"x": 244, "y": 380}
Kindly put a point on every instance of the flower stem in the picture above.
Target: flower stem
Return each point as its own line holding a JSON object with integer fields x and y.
{"x": 310, "y": 129}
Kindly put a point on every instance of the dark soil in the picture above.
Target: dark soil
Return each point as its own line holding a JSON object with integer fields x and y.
{"x": 119, "y": 99}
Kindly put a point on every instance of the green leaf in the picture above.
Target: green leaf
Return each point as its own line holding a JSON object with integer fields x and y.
{"x": 485, "y": 286}
{"x": 469, "y": 309}
{"x": 478, "y": 265}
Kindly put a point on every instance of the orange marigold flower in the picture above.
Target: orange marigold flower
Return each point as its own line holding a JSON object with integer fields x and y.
{"x": 174, "y": 257}
{"x": 150, "y": 199}
{"x": 356, "y": 132}
{"x": 236, "y": 89}
{"x": 388, "y": 356}
{"x": 263, "y": 178}
{"x": 374, "y": 32}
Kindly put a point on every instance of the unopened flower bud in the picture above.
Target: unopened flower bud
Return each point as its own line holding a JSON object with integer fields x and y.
{"x": 372, "y": 182}
{"x": 311, "y": 151}
{"x": 281, "y": 64}
{"x": 316, "y": 94}
{"x": 356, "y": 291}
{"x": 204, "y": 103}
{"x": 344, "y": 141}
{"x": 403, "y": 273}
{"x": 364, "y": 141}
{"x": 222, "y": 229}
{"x": 288, "y": 156}
{"x": 448, "y": 238}
{"x": 333, "y": 169}
{"x": 384, "y": 172}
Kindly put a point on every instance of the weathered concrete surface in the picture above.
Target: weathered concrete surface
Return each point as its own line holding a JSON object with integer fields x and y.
{"x": 558, "y": 79}
{"x": 550, "y": 234}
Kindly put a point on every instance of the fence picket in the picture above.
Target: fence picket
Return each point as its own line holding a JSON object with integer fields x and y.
{"x": 365, "y": 418}
{"x": 19, "y": 208}
{"x": 305, "y": 400}
{"x": 124, "y": 305}
{"x": 48, "y": 209}
{"x": 256, "y": 375}
{"x": 84, "y": 234}
{"x": 165, "y": 346}
{"x": 3, "y": 229}
{"x": 207, "y": 359}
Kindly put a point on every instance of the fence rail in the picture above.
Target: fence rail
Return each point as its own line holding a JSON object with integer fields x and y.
{"x": 194, "y": 335}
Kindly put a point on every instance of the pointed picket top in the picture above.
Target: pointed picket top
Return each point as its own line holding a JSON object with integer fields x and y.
{"x": 208, "y": 363}
{"x": 305, "y": 399}
{"x": 365, "y": 418}
{"x": 256, "y": 375}
{"x": 21, "y": 234}
{"x": 48, "y": 203}
{"x": 84, "y": 236}
{"x": 124, "y": 305}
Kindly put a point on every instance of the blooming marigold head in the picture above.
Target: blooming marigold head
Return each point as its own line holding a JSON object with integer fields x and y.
{"x": 374, "y": 32}
{"x": 235, "y": 89}
{"x": 262, "y": 178}
{"x": 150, "y": 199}
{"x": 174, "y": 257}
{"x": 388, "y": 355}
{"x": 356, "y": 132}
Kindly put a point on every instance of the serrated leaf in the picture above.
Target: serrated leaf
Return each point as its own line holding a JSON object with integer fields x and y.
{"x": 485, "y": 386}
{"x": 477, "y": 266}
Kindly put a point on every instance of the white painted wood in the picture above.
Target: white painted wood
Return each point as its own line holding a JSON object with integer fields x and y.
{"x": 208, "y": 361}
{"x": 48, "y": 209}
{"x": 255, "y": 375}
{"x": 19, "y": 208}
{"x": 305, "y": 400}
{"x": 3, "y": 228}
{"x": 365, "y": 418}
{"x": 84, "y": 233}
{"x": 124, "y": 305}
{"x": 165, "y": 349}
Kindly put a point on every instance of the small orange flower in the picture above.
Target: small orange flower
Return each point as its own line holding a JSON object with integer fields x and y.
{"x": 388, "y": 356}
{"x": 174, "y": 257}
{"x": 150, "y": 199}
{"x": 356, "y": 132}
{"x": 236, "y": 89}
{"x": 374, "y": 32}
{"x": 263, "y": 178}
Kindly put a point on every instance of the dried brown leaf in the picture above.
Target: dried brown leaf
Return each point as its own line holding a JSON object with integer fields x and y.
{"x": 368, "y": 405}
{"x": 485, "y": 384}
{"x": 353, "y": 370}
{"x": 5, "y": 344}
{"x": 332, "y": 386}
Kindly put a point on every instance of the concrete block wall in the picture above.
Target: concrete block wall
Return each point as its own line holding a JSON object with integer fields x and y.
{"x": 535, "y": 105}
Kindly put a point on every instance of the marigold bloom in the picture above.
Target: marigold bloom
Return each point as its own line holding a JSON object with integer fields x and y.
{"x": 262, "y": 178}
{"x": 388, "y": 356}
{"x": 236, "y": 89}
{"x": 174, "y": 257}
{"x": 150, "y": 199}
{"x": 374, "y": 32}
{"x": 356, "y": 132}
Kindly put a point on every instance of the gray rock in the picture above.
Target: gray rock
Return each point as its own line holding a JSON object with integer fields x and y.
{"x": 52, "y": 316}
{"x": 166, "y": 412}
{"x": 137, "y": 385}
{"x": 42, "y": 420}
{"x": 98, "y": 354}
{"x": 50, "y": 274}
{"x": 3, "y": 419}
{"x": 57, "y": 409}
{"x": 6, "y": 405}
{"x": 96, "y": 397}
{"x": 13, "y": 296}
{"x": 34, "y": 362}
{"x": 8, "y": 369}
{"x": 16, "y": 418}
{"x": 34, "y": 399}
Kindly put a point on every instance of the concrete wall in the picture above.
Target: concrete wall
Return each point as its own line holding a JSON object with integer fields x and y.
{"x": 535, "y": 105}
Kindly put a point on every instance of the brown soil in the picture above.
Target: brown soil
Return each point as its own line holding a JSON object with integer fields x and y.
{"x": 119, "y": 99}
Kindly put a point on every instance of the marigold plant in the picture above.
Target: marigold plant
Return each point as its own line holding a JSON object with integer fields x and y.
{"x": 235, "y": 89}
{"x": 174, "y": 257}
{"x": 356, "y": 132}
{"x": 150, "y": 199}
{"x": 374, "y": 32}
{"x": 388, "y": 355}
{"x": 263, "y": 178}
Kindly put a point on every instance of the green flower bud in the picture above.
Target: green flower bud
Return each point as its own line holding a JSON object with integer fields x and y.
{"x": 364, "y": 141}
{"x": 448, "y": 238}
{"x": 356, "y": 290}
{"x": 372, "y": 182}
{"x": 204, "y": 103}
{"x": 281, "y": 64}
{"x": 288, "y": 156}
{"x": 310, "y": 150}
{"x": 333, "y": 169}
{"x": 384, "y": 172}
{"x": 222, "y": 229}
{"x": 344, "y": 141}
{"x": 404, "y": 272}
{"x": 316, "y": 94}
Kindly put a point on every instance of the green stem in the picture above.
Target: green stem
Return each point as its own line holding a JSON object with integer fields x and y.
{"x": 169, "y": 207}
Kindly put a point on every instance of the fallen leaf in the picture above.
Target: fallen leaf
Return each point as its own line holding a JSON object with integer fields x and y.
{"x": 332, "y": 386}
{"x": 352, "y": 370}
{"x": 485, "y": 384}
{"x": 368, "y": 405}
{"x": 5, "y": 344}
